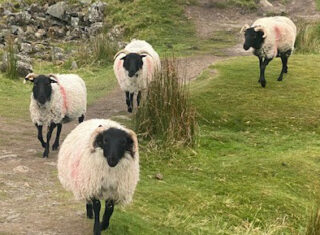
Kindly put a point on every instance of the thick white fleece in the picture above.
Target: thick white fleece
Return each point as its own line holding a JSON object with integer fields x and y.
{"x": 150, "y": 65}
{"x": 281, "y": 35}
{"x": 88, "y": 175}
{"x": 73, "y": 105}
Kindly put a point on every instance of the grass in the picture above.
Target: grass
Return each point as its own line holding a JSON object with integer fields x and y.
{"x": 166, "y": 111}
{"x": 16, "y": 95}
{"x": 256, "y": 167}
{"x": 314, "y": 223}
{"x": 308, "y": 38}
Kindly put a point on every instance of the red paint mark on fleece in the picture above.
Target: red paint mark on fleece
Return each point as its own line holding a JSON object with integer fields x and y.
{"x": 149, "y": 65}
{"x": 75, "y": 169}
{"x": 119, "y": 65}
{"x": 277, "y": 31}
{"x": 64, "y": 96}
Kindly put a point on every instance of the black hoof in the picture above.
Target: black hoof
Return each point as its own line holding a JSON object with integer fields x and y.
{"x": 104, "y": 226}
{"x": 279, "y": 79}
{"x": 55, "y": 147}
{"x": 130, "y": 110}
{"x": 263, "y": 84}
{"x": 45, "y": 154}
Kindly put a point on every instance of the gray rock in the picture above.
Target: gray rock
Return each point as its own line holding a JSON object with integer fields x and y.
{"x": 57, "y": 53}
{"x": 39, "y": 47}
{"x": 40, "y": 33}
{"x": 21, "y": 18}
{"x": 85, "y": 2}
{"x": 57, "y": 10}
{"x": 35, "y": 8}
{"x": 95, "y": 11}
{"x": 95, "y": 28}
{"x": 26, "y": 48}
{"x": 16, "y": 30}
{"x": 8, "y": 156}
{"x": 75, "y": 21}
{"x": 75, "y": 34}
{"x": 159, "y": 176}
{"x": 21, "y": 169}
{"x": 23, "y": 68}
{"x": 24, "y": 58}
{"x": 74, "y": 65}
{"x": 56, "y": 32}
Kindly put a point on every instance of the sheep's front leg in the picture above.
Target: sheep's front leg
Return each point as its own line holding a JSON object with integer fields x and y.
{"x": 50, "y": 130}
{"x": 55, "y": 145}
{"x": 107, "y": 214}
{"x": 40, "y": 137}
{"x": 89, "y": 210}
{"x": 138, "y": 98}
{"x": 263, "y": 65}
{"x": 129, "y": 101}
{"x": 96, "y": 209}
{"x": 284, "y": 59}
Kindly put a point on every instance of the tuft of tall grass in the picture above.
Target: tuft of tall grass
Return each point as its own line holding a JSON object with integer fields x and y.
{"x": 313, "y": 227}
{"x": 11, "y": 68}
{"x": 308, "y": 38}
{"x": 166, "y": 112}
{"x": 98, "y": 50}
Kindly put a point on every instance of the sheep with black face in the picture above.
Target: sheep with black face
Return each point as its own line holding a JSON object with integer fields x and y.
{"x": 56, "y": 99}
{"x": 270, "y": 37}
{"x": 134, "y": 67}
{"x": 99, "y": 160}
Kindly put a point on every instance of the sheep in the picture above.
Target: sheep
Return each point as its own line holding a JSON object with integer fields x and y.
{"x": 270, "y": 37}
{"x": 56, "y": 99}
{"x": 134, "y": 68}
{"x": 99, "y": 160}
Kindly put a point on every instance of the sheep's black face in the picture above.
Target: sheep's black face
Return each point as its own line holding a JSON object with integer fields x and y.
{"x": 42, "y": 89}
{"x": 115, "y": 143}
{"x": 132, "y": 63}
{"x": 253, "y": 39}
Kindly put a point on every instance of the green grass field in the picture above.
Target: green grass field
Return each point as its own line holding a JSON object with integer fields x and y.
{"x": 256, "y": 167}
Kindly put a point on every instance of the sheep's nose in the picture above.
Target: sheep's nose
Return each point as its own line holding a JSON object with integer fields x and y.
{"x": 245, "y": 47}
{"x": 131, "y": 74}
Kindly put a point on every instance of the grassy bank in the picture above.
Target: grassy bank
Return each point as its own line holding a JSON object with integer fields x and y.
{"x": 256, "y": 168}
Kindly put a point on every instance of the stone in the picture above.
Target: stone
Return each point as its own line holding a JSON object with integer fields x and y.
{"x": 21, "y": 169}
{"x": 74, "y": 65}
{"x": 95, "y": 11}
{"x": 8, "y": 156}
{"x": 85, "y": 2}
{"x": 35, "y": 8}
{"x": 39, "y": 47}
{"x": 57, "y": 10}
{"x": 26, "y": 48}
{"x": 159, "y": 176}
{"x": 4, "y": 63}
{"x": 16, "y": 30}
{"x": 23, "y": 58}
{"x": 56, "y": 32}
{"x": 95, "y": 28}
{"x": 40, "y": 33}
{"x": 23, "y": 68}
{"x": 75, "y": 21}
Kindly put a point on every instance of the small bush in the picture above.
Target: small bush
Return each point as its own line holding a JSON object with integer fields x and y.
{"x": 313, "y": 227}
{"x": 308, "y": 38}
{"x": 166, "y": 112}
{"x": 11, "y": 68}
{"x": 97, "y": 50}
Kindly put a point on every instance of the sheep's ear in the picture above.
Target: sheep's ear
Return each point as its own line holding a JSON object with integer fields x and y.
{"x": 244, "y": 28}
{"x": 98, "y": 142}
{"x": 132, "y": 143}
{"x": 123, "y": 58}
{"x": 142, "y": 56}
{"x": 96, "y": 138}
{"x": 261, "y": 29}
{"x": 30, "y": 77}
{"x": 53, "y": 78}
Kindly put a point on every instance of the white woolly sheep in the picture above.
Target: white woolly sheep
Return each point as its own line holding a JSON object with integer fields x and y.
{"x": 56, "y": 99}
{"x": 270, "y": 37}
{"x": 99, "y": 160}
{"x": 134, "y": 67}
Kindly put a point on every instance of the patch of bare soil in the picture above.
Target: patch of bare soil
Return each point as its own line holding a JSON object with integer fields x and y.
{"x": 32, "y": 200}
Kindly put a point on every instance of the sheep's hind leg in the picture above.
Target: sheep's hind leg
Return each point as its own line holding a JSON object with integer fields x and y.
{"x": 107, "y": 214}
{"x": 55, "y": 145}
{"x": 284, "y": 59}
{"x": 96, "y": 209}
{"x": 138, "y": 98}
{"x": 89, "y": 210}
{"x": 128, "y": 101}
{"x": 50, "y": 130}
{"x": 80, "y": 119}
{"x": 40, "y": 137}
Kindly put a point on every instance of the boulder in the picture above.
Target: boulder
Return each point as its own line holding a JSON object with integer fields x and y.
{"x": 26, "y": 48}
{"x": 23, "y": 68}
{"x": 57, "y": 10}
{"x": 95, "y": 11}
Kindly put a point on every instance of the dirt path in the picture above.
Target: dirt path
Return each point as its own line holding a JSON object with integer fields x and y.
{"x": 32, "y": 200}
